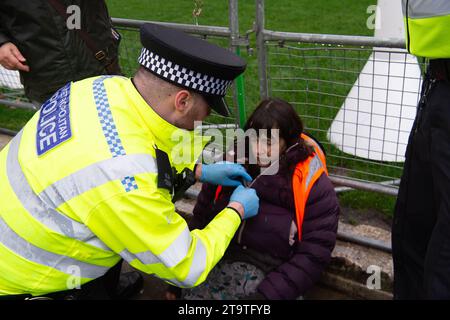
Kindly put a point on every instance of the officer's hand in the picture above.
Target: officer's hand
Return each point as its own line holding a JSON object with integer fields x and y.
{"x": 224, "y": 173}
{"x": 11, "y": 58}
{"x": 247, "y": 198}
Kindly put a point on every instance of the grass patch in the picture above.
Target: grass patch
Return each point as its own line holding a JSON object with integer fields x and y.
{"x": 368, "y": 200}
{"x": 323, "y": 16}
{"x": 14, "y": 119}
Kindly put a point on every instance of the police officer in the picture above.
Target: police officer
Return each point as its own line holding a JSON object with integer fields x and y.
{"x": 90, "y": 179}
{"x": 421, "y": 229}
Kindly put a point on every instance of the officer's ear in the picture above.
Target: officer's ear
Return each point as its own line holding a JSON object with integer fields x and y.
{"x": 184, "y": 102}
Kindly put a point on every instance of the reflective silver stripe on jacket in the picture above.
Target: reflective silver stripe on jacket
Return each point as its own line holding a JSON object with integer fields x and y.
{"x": 43, "y": 206}
{"x": 97, "y": 174}
{"x": 314, "y": 165}
{"x": 317, "y": 149}
{"x": 198, "y": 265}
{"x": 426, "y": 8}
{"x": 23, "y": 248}
{"x": 197, "y": 268}
{"x": 173, "y": 255}
{"x": 35, "y": 206}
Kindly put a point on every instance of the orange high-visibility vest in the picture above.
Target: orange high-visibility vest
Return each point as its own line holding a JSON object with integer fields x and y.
{"x": 311, "y": 168}
{"x": 305, "y": 175}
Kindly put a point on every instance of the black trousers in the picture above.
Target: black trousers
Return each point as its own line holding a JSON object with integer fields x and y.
{"x": 421, "y": 226}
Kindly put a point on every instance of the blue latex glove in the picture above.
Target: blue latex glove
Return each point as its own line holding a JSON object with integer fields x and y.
{"x": 225, "y": 174}
{"x": 248, "y": 198}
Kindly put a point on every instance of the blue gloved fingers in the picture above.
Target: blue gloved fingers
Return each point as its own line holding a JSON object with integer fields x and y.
{"x": 241, "y": 173}
{"x": 248, "y": 198}
{"x": 238, "y": 190}
{"x": 231, "y": 183}
{"x": 238, "y": 194}
{"x": 237, "y": 175}
{"x": 224, "y": 173}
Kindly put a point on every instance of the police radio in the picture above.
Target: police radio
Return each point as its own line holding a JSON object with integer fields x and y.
{"x": 170, "y": 179}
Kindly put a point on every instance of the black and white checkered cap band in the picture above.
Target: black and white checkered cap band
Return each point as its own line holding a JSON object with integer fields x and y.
{"x": 183, "y": 76}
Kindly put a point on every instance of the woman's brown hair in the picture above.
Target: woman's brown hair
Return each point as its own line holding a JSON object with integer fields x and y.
{"x": 275, "y": 113}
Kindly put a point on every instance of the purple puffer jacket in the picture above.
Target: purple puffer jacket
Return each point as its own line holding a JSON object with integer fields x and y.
{"x": 268, "y": 232}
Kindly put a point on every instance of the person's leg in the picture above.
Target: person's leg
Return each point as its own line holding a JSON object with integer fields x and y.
{"x": 227, "y": 281}
{"x": 111, "y": 279}
{"x": 437, "y": 264}
{"x": 414, "y": 215}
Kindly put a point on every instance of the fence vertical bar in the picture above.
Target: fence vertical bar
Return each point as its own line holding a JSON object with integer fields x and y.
{"x": 238, "y": 89}
{"x": 261, "y": 48}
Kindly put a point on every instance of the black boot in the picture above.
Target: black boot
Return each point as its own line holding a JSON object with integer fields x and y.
{"x": 130, "y": 284}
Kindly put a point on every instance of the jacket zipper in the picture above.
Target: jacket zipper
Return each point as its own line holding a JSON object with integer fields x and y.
{"x": 407, "y": 27}
{"x": 241, "y": 229}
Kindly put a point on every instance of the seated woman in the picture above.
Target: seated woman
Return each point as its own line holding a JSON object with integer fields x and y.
{"x": 268, "y": 258}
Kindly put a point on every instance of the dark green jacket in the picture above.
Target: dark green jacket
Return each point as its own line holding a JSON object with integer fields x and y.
{"x": 55, "y": 54}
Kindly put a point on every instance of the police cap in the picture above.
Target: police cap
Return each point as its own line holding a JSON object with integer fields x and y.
{"x": 190, "y": 62}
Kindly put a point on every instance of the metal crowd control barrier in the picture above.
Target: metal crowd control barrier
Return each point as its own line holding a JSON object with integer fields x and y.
{"x": 360, "y": 112}
{"x": 356, "y": 94}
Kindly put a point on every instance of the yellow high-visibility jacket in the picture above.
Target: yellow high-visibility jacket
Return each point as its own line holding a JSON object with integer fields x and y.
{"x": 78, "y": 191}
{"x": 427, "y": 25}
